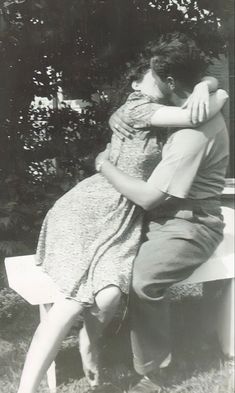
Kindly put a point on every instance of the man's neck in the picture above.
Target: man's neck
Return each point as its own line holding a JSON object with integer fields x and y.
{"x": 178, "y": 98}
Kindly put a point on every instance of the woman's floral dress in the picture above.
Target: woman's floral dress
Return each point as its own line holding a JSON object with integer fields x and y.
{"x": 90, "y": 237}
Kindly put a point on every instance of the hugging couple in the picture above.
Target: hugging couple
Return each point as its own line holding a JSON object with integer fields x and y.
{"x": 145, "y": 221}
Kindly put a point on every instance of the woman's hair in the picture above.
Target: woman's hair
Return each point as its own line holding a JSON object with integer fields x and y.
{"x": 178, "y": 56}
{"x": 135, "y": 72}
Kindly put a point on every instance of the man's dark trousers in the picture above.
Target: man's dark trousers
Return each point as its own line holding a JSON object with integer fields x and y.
{"x": 179, "y": 238}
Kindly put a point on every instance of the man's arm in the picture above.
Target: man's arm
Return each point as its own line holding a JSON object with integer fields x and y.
{"x": 140, "y": 192}
{"x": 173, "y": 177}
{"x": 137, "y": 190}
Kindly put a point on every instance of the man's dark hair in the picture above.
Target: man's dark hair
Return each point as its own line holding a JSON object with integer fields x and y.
{"x": 178, "y": 56}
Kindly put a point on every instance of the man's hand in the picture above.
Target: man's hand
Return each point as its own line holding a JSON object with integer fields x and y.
{"x": 104, "y": 155}
{"x": 198, "y": 103}
{"x": 120, "y": 127}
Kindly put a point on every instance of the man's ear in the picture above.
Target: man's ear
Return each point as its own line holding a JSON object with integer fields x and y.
{"x": 135, "y": 85}
{"x": 171, "y": 83}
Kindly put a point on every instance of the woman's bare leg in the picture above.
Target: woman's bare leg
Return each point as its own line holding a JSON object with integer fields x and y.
{"x": 95, "y": 320}
{"x": 46, "y": 343}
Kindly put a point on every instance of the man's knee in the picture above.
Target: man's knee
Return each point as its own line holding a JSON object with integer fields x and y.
{"x": 146, "y": 286}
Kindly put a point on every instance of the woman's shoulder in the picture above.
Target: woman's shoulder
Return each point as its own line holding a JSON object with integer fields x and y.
{"x": 138, "y": 102}
{"x": 139, "y": 107}
{"x": 137, "y": 98}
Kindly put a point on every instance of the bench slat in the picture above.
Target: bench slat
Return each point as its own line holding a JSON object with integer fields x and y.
{"x": 30, "y": 281}
{"x": 36, "y": 287}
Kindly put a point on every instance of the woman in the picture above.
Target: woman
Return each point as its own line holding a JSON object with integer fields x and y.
{"x": 90, "y": 238}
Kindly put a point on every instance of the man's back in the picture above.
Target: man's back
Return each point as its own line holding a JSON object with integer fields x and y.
{"x": 194, "y": 161}
{"x": 210, "y": 177}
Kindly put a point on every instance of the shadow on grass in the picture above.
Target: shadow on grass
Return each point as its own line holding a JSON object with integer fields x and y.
{"x": 198, "y": 366}
{"x": 196, "y": 355}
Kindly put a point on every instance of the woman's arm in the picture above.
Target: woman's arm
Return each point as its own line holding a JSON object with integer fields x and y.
{"x": 197, "y": 105}
{"x": 198, "y": 101}
{"x": 212, "y": 83}
{"x": 171, "y": 116}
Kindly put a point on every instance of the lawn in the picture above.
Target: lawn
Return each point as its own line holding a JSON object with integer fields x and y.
{"x": 199, "y": 366}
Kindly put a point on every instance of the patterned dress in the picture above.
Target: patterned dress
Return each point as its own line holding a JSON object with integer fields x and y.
{"x": 90, "y": 237}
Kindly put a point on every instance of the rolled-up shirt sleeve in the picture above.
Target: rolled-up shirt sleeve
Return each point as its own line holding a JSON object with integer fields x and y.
{"x": 181, "y": 159}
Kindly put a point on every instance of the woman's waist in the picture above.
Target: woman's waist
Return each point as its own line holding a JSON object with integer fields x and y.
{"x": 131, "y": 152}
{"x": 138, "y": 165}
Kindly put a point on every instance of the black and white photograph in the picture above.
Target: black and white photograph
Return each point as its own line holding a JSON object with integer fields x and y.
{"x": 117, "y": 196}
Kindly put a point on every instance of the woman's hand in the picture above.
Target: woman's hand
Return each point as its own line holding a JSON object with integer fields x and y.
{"x": 120, "y": 127}
{"x": 198, "y": 103}
{"x": 104, "y": 155}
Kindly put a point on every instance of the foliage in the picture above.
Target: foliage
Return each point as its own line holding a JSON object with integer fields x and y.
{"x": 74, "y": 138}
{"x": 64, "y": 133}
{"x": 11, "y": 304}
{"x": 81, "y": 46}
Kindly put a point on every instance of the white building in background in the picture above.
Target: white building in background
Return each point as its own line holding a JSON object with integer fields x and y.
{"x": 51, "y": 165}
{"x": 57, "y": 102}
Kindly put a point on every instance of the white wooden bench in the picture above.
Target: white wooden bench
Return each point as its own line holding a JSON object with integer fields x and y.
{"x": 37, "y": 288}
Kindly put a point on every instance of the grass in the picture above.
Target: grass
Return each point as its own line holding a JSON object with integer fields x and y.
{"x": 199, "y": 366}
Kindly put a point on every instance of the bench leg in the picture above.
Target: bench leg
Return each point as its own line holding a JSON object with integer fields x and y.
{"x": 225, "y": 319}
{"x": 51, "y": 372}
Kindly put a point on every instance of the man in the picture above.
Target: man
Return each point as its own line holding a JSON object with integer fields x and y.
{"x": 182, "y": 199}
